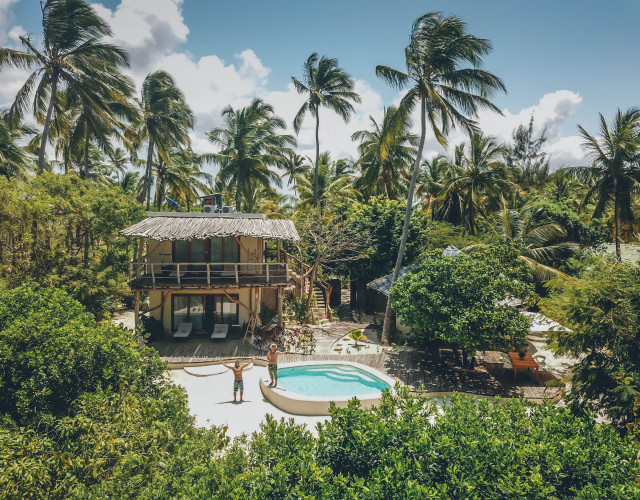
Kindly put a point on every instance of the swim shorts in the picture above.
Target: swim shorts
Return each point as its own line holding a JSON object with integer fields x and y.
{"x": 272, "y": 367}
{"x": 238, "y": 384}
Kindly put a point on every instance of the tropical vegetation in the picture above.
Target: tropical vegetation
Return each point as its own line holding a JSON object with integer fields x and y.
{"x": 85, "y": 408}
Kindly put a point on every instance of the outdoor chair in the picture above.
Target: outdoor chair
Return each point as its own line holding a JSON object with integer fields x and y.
{"x": 183, "y": 331}
{"x": 540, "y": 359}
{"x": 220, "y": 331}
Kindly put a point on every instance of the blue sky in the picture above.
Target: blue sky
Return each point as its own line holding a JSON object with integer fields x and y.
{"x": 562, "y": 61}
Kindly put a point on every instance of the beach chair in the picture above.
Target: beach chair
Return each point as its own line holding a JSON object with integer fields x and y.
{"x": 220, "y": 331}
{"x": 183, "y": 331}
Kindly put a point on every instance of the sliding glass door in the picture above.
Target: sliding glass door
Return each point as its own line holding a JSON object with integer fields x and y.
{"x": 203, "y": 311}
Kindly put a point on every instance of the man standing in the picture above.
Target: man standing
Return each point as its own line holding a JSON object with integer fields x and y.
{"x": 272, "y": 359}
{"x": 238, "y": 384}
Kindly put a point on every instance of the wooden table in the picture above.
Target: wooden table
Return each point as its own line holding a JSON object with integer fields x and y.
{"x": 526, "y": 362}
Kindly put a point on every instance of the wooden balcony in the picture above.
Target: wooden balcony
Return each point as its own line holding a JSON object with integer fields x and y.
{"x": 195, "y": 275}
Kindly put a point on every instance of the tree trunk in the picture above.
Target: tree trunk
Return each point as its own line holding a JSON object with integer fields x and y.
{"x": 616, "y": 200}
{"x": 148, "y": 173}
{"x": 315, "y": 182}
{"x": 85, "y": 169}
{"x": 312, "y": 279}
{"x": 47, "y": 124}
{"x": 407, "y": 219}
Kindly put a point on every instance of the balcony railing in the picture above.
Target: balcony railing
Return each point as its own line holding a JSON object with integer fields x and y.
{"x": 206, "y": 274}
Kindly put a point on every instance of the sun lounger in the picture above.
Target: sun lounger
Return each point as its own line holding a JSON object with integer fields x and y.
{"x": 183, "y": 331}
{"x": 220, "y": 331}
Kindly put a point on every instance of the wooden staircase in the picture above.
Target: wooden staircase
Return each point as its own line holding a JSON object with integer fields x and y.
{"x": 320, "y": 309}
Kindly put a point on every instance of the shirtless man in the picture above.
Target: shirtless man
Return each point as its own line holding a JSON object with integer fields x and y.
{"x": 272, "y": 359}
{"x": 238, "y": 384}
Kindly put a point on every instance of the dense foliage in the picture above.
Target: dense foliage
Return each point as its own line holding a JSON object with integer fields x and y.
{"x": 381, "y": 219}
{"x": 602, "y": 310}
{"x": 84, "y": 409}
{"x": 460, "y": 300}
{"x": 63, "y": 231}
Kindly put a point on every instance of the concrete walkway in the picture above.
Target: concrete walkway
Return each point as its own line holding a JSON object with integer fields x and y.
{"x": 211, "y": 402}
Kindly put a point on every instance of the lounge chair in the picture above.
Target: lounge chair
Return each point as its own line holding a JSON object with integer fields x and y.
{"x": 220, "y": 331}
{"x": 183, "y": 331}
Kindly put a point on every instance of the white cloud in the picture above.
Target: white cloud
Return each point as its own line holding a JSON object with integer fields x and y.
{"x": 148, "y": 29}
{"x": 154, "y": 33}
{"x": 552, "y": 112}
{"x": 6, "y": 19}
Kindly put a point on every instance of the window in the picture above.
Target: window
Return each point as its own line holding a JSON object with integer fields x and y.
{"x": 188, "y": 308}
{"x": 224, "y": 249}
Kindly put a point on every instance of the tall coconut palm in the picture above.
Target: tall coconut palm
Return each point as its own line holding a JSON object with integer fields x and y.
{"x": 294, "y": 165}
{"x": 479, "y": 179}
{"x": 325, "y": 84}
{"x": 249, "y": 145}
{"x": 616, "y": 166}
{"x": 105, "y": 118}
{"x": 431, "y": 189}
{"x": 446, "y": 85}
{"x": 165, "y": 120}
{"x": 119, "y": 162}
{"x": 73, "y": 55}
{"x": 386, "y": 153}
{"x": 334, "y": 181}
{"x": 183, "y": 179}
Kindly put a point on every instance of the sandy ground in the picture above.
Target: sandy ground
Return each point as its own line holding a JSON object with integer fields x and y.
{"x": 211, "y": 402}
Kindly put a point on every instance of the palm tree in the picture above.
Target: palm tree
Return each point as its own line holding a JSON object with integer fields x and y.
{"x": 616, "y": 156}
{"x": 325, "y": 84}
{"x": 73, "y": 55}
{"x": 119, "y": 161}
{"x": 386, "y": 153}
{"x": 431, "y": 188}
{"x": 294, "y": 166}
{"x": 334, "y": 181}
{"x": 182, "y": 178}
{"x": 129, "y": 182}
{"x": 14, "y": 159}
{"x": 445, "y": 89}
{"x": 165, "y": 120}
{"x": 480, "y": 178}
{"x": 537, "y": 240}
{"x": 250, "y": 144}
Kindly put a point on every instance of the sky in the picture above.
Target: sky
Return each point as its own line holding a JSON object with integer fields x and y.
{"x": 563, "y": 62}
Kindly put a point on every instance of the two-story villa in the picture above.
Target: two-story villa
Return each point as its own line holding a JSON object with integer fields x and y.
{"x": 210, "y": 268}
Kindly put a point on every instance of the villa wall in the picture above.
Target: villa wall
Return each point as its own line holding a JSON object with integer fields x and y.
{"x": 161, "y": 251}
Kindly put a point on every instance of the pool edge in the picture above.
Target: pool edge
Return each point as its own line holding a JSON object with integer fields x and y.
{"x": 299, "y": 404}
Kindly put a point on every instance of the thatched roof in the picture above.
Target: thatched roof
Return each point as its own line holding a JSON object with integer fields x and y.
{"x": 163, "y": 226}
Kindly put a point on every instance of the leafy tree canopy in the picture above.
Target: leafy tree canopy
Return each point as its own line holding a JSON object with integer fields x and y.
{"x": 382, "y": 219}
{"x": 602, "y": 309}
{"x": 458, "y": 299}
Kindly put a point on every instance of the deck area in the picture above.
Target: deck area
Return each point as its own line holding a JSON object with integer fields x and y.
{"x": 414, "y": 368}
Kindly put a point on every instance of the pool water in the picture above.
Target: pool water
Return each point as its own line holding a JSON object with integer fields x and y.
{"x": 329, "y": 380}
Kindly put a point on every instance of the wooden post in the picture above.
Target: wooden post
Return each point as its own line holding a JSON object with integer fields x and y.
{"x": 279, "y": 301}
{"x": 136, "y": 310}
{"x": 140, "y": 254}
{"x": 279, "y": 251}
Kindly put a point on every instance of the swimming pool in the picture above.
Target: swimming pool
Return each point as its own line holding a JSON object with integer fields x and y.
{"x": 308, "y": 388}
{"x": 329, "y": 380}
